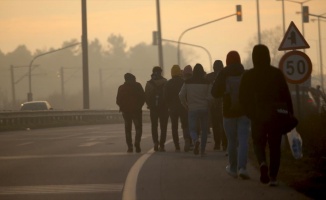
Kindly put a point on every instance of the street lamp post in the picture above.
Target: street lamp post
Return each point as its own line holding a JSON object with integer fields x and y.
{"x": 159, "y": 34}
{"x": 238, "y": 13}
{"x": 194, "y": 45}
{"x": 258, "y": 22}
{"x": 29, "y": 94}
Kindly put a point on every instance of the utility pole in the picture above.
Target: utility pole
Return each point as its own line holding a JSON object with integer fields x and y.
{"x": 85, "y": 56}
{"x": 258, "y": 22}
{"x": 159, "y": 31}
{"x": 62, "y": 88}
{"x": 13, "y": 86}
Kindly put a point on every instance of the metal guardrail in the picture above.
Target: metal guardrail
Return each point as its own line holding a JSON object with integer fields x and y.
{"x": 13, "y": 120}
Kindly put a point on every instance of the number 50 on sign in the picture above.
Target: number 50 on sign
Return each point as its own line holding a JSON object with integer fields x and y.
{"x": 296, "y": 67}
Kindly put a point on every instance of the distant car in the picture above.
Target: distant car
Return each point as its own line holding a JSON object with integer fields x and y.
{"x": 36, "y": 105}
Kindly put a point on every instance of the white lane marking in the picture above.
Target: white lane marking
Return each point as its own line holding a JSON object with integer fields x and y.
{"x": 26, "y": 143}
{"x": 89, "y": 144}
{"x": 129, "y": 189}
{"x": 64, "y": 156}
{"x": 60, "y": 189}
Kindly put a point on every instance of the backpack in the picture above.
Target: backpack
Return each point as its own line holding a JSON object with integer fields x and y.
{"x": 232, "y": 91}
{"x": 156, "y": 97}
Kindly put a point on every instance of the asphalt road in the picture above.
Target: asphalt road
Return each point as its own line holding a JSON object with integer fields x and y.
{"x": 90, "y": 162}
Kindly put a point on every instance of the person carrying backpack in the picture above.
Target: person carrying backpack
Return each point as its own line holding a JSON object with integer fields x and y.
{"x": 157, "y": 106}
{"x": 236, "y": 123}
{"x": 131, "y": 110}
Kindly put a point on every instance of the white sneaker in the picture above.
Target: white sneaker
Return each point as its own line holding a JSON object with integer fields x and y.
{"x": 231, "y": 173}
{"x": 243, "y": 174}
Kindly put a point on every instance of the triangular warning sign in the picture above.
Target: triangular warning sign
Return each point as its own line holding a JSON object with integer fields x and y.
{"x": 293, "y": 39}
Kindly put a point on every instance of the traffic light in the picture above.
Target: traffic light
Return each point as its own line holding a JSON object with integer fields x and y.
{"x": 155, "y": 38}
{"x": 305, "y": 14}
{"x": 239, "y": 13}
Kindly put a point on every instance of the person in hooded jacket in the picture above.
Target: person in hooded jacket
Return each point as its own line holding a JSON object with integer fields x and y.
{"x": 131, "y": 110}
{"x": 176, "y": 110}
{"x": 264, "y": 85}
{"x": 236, "y": 123}
{"x": 187, "y": 72}
{"x": 194, "y": 96}
{"x": 158, "y": 113}
{"x": 216, "y": 113}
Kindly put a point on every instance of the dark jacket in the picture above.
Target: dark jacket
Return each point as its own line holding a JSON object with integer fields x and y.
{"x": 219, "y": 87}
{"x": 211, "y": 76}
{"x": 130, "y": 97}
{"x": 171, "y": 93}
{"x": 158, "y": 80}
{"x": 263, "y": 83}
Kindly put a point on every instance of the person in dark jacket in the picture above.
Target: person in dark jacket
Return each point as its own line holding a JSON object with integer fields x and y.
{"x": 216, "y": 113}
{"x": 130, "y": 99}
{"x": 264, "y": 85}
{"x": 176, "y": 110}
{"x": 236, "y": 123}
{"x": 159, "y": 112}
{"x": 194, "y": 96}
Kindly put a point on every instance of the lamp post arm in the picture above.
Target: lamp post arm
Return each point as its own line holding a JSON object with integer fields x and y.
{"x": 194, "y": 45}
{"x": 30, "y": 66}
{"x": 194, "y": 27}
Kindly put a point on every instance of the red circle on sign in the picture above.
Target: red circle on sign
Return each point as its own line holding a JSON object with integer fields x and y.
{"x": 296, "y": 67}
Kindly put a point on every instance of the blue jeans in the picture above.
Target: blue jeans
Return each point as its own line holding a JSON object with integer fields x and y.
{"x": 237, "y": 131}
{"x": 193, "y": 118}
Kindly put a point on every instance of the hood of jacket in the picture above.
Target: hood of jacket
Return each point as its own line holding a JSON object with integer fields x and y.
{"x": 260, "y": 56}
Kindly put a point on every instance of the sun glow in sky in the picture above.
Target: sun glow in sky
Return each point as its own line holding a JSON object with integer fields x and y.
{"x": 41, "y": 24}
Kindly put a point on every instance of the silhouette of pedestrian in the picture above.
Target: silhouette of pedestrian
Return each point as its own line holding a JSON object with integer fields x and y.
{"x": 216, "y": 110}
{"x": 194, "y": 96}
{"x": 157, "y": 106}
{"x": 130, "y": 99}
{"x": 236, "y": 124}
{"x": 176, "y": 110}
{"x": 262, "y": 87}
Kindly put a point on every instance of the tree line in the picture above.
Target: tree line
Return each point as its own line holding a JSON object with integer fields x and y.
{"x": 57, "y": 77}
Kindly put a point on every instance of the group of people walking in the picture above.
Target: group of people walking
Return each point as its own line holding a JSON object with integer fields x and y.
{"x": 225, "y": 99}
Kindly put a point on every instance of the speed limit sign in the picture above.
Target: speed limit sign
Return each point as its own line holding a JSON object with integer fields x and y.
{"x": 296, "y": 67}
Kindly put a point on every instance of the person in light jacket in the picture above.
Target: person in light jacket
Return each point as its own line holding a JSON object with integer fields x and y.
{"x": 194, "y": 96}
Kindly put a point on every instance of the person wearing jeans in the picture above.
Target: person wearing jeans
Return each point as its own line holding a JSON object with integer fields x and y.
{"x": 195, "y": 96}
{"x": 236, "y": 124}
{"x": 194, "y": 117}
{"x": 237, "y": 132}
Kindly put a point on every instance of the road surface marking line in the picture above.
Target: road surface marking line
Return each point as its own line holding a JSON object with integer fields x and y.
{"x": 26, "y": 143}
{"x": 89, "y": 144}
{"x": 129, "y": 189}
{"x": 60, "y": 189}
{"x": 63, "y": 156}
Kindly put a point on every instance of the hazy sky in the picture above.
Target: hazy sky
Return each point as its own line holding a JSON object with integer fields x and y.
{"x": 41, "y": 24}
